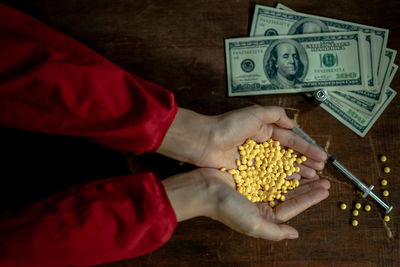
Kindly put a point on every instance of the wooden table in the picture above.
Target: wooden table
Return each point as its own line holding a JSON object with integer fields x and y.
{"x": 180, "y": 45}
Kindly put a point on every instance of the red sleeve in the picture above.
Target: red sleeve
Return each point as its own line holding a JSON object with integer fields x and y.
{"x": 51, "y": 83}
{"x": 94, "y": 223}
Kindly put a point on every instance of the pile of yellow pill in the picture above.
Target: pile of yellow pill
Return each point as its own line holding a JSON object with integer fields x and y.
{"x": 262, "y": 169}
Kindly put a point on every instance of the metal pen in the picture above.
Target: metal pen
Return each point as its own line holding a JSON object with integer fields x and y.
{"x": 367, "y": 190}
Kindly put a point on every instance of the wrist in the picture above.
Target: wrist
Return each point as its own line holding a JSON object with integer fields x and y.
{"x": 189, "y": 195}
{"x": 187, "y": 137}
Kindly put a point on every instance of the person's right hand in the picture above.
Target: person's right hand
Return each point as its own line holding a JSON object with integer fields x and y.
{"x": 209, "y": 192}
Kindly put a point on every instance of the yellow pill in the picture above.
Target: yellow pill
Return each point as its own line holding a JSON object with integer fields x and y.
{"x": 358, "y": 206}
{"x": 303, "y": 158}
{"x": 386, "y": 218}
{"x": 299, "y": 161}
{"x": 232, "y": 171}
{"x": 272, "y": 204}
{"x": 355, "y": 212}
{"x": 383, "y": 158}
{"x": 386, "y": 169}
{"x": 222, "y": 169}
{"x": 384, "y": 182}
{"x": 385, "y": 193}
{"x": 283, "y": 198}
{"x": 343, "y": 206}
{"x": 354, "y": 222}
{"x": 241, "y": 148}
{"x": 297, "y": 169}
{"x": 290, "y": 150}
{"x": 367, "y": 208}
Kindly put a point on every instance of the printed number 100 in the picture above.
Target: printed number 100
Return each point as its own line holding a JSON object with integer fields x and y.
{"x": 346, "y": 75}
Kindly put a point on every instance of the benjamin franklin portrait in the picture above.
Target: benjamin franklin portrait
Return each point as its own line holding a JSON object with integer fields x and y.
{"x": 285, "y": 64}
{"x": 308, "y": 25}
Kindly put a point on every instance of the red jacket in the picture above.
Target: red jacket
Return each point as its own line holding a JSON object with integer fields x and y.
{"x": 51, "y": 83}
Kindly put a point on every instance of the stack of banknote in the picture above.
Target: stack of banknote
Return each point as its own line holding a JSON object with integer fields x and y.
{"x": 291, "y": 52}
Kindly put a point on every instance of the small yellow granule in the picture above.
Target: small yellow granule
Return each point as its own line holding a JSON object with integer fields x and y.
{"x": 358, "y": 205}
{"x": 386, "y": 169}
{"x": 262, "y": 169}
{"x": 367, "y": 207}
{"x": 343, "y": 206}
{"x": 354, "y": 223}
{"x": 222, "y": 169}
{"x": 386, "y": 218}
{"x": 383, "y": 158}
{"x": 355, "y": 212}
{"x": 385, "y": 193}
{"x": 384, "y": 182}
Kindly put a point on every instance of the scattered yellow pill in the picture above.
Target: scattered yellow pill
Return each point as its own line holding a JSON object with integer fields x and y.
{"x": 222, "y": 169}
{"x": 386, "y": 169}
{"x": 343, "y": 206}
{"x": 384, "y": 182}
{"x": 358, "y": 205}
{"x": 354, "y": 222}
{"x": 385, "y": 193}
{"x": 383, "y": 158}
{"x": 386, "y": 218}
{"x": 355, "y": 212}
{"x": 367, "y": 208}
{"x": 272, "y": 204}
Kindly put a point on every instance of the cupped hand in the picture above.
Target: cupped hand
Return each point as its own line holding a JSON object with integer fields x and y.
{"x": 259, "y": 219}
{"x": 259, "y": 123}
{"x": 209, "y": 192}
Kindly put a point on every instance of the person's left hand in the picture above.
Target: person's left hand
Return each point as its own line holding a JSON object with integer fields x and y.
{"x": 212, "y": 141}
{"x": 260, "y": 124}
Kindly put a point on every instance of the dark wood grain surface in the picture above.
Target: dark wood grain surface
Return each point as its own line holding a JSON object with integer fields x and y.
{"x": 180, "y": 45}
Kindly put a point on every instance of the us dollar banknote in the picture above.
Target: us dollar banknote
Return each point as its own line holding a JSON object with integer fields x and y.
{"x": 376, "y": 95}
{"x": 357, "y": 121}
{"x": 274, "y": 21}
{"x": 293, "y": 64}
{"x": 360, "y": 104}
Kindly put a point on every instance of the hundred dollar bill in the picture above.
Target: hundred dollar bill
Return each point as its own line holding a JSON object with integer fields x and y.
{"x": 274, "y": 21}
{"x": 357, "y": 121}
{"x": 282, "y": 6}
{"x": 362, "y": 105}
{"x": 376, "y": 95}
{"x": 293, "y": 64}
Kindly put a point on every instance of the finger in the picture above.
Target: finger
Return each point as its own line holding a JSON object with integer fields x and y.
{"x": 272, "y": 231}
{"x": 307, "y": 187}
{"x": 292, "y": 140}
{"x": 306, "y": 172}
{"x": 294, "y": 206}
{"x": 273, "y": 114}
{"x": 309, "y": 180}
{"x": 316, "y": 165}
{"x": 295, "y": 175}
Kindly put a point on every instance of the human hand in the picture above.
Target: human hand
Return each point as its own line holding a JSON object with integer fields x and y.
{"x": 211, "y": 141}
{"x": 260, "y": 124}
{"x": 209, "y": 192}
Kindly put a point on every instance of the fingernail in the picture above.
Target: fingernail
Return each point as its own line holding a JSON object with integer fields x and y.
{"x": 293, "y": 236}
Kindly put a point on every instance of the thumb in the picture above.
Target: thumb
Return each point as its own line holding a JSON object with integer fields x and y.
{"x": 275, "y": 232}
{"x": 274, "y": 114}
